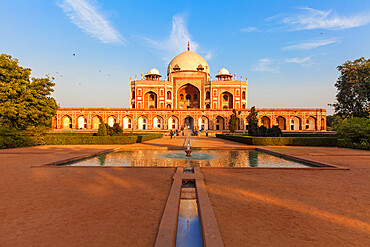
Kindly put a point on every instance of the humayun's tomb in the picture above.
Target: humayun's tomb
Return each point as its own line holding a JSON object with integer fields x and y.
{"x": 187, "y": 96}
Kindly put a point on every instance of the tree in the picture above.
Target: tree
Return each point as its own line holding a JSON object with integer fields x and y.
{"x": 24, "y": 101}
{"x": 233, "y": 121}
{"x": 252, "y": 122}
{"x": 353, "y": 89}
{"x": 356, "y": 129}
{"x": 102, "y": 131}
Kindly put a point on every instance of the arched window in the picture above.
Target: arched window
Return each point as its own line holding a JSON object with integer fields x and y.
{"x": 225, "y": 97}
{"x": 208, "y": 106}
{"x": 133, "y": 105}
{"x": 243, "y": 95}
{"x": 168, "y": 106}
{"x": 133, "y": 94}
{"x": 181, "y": 97}
{"x": 169, "y": 95}
{"x": 208, "y": 95}
{"x": 243, "y": 106}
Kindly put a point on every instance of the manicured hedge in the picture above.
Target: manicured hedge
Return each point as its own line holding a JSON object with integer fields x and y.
{"x": 14, "y": 139}
{"x": 52, "y": 139}
{"x": 347, "y": 143}
{"x": 308, "y": 135}
{"x": 281, "y": 141}
{"x": 82, "y": 140}
{"x": 149, "y": 136}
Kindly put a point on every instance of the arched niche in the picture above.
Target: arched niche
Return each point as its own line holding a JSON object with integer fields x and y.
{"x": 227, "y": 100}
{"x": 150, "y": 100}
{"x": 188, "y": 96}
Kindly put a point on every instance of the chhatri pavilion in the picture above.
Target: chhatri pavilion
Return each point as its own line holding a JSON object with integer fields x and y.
{"x": 187, "y": 96}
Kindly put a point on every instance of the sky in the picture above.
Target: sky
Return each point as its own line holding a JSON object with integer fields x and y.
{"x": 288, "y": 50}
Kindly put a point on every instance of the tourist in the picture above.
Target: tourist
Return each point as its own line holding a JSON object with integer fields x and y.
{"x": 206, "y": 132}
{"x": 171, "y": 134}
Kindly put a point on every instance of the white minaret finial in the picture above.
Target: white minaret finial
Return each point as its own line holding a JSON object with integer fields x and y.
{"x": 235, "y": 76}
{"x": 135, "y": 77}
{"x": 141, "y": 76}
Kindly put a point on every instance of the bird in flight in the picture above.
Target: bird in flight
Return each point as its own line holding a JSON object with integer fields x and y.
{"x": 74, "y": 54}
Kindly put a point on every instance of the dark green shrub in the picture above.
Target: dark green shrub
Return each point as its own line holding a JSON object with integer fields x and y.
{"x": 13, "y": 139}
{"x": 262, "y": 131}
{"x": 252, "y": 122}
{"x": 117, "y": 130}
{"x": 102, "y": 131}
{"x": 355, "y": 129}
{"x": 282, "y": 141}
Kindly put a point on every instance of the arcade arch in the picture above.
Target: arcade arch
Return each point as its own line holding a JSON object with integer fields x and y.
{"x": 127, "y": 122}
{"x": 219, "y": 123}
{"x": 66, "y": 122}
{"x": 265, "y": 121}
{"x": 112, "y": 120}
{"x": 81, "y": 122}
{"x": 281, "y": 122}
{"x": 142, "y": 123}
{"x": 311, "y": 123}
{"x": 295, "y": 123}
{"x": 96, "y": 120}
{"x": 203, "y": 123}
{"x": 157, "y": 122}
{"x": 173, "y": 122}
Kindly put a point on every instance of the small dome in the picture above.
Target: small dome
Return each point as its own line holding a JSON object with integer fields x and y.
{"x": 188, "y": 60}
{"x": 152, "y": 72}
{"x": 223, "y": 72}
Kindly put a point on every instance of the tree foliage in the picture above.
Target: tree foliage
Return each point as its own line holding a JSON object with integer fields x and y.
{"x": 24, "y": 101}
{"x": 233, "y": 121}
{"x": 252, "y": 122}
{"x": 356, "y": 129}
{"x": 353, "y": 89}
{"x": 102, "y": 131}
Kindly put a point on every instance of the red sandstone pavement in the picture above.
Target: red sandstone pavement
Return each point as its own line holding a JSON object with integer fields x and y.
{"x": 67, "y": 206}
{"x": 295, "y": 207}
{"x": 77, "y": 206}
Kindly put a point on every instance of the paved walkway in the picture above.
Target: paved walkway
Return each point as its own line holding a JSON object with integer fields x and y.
{"x": 71, "y": 206}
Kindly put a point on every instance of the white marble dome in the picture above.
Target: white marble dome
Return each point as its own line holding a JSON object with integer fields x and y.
{"x": 188, "y": 60}
{"x": 153, "y": 71}
{"x": 223, "y": 72}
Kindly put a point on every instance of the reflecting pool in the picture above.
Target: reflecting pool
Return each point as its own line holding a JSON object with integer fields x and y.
{"x": 202, "y": 158}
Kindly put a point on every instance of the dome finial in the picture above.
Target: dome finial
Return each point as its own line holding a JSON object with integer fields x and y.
{"x": 188, "y": 46}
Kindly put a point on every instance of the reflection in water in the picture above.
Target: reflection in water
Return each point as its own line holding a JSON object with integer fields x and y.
{"x": 188, "y": 226}
{"x": 253, "y": 159}
{"x": 204, "y": 158}
{"x": 101, "y": 159}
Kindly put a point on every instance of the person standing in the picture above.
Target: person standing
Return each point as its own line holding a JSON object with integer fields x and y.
{"x": 171, "y": 133}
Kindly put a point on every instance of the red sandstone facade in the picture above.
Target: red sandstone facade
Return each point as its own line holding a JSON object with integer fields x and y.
{"x": 187, "y": 97}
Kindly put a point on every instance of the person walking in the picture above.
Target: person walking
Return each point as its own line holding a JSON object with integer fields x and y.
{"x": 171, "y": 133}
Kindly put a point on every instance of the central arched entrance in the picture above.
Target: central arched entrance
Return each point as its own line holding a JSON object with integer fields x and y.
{"x": 189, "y": 122}
{"x": 188, "y": 96}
